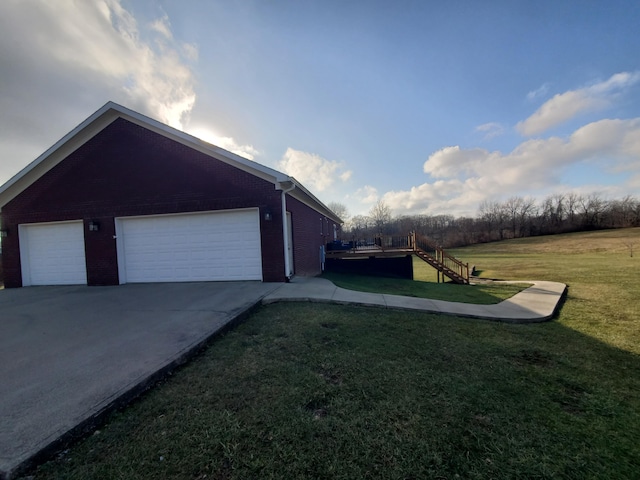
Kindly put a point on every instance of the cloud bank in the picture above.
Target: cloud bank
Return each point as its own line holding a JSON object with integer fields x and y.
{"x": 565, "y": 106}
{"x": 71, "y": 57}
{"x": 312, "y": 170}
{"x": 465, "y": 177}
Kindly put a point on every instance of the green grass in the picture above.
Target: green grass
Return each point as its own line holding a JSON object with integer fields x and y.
{"x": 424, "y": 286}
{"x": 603, "y": 279}
{"x": 325, "y": 391}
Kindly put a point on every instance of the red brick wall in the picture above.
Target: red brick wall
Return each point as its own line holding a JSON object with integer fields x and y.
{"x": 311, "y": 230}
{"x": 128, "y": 170}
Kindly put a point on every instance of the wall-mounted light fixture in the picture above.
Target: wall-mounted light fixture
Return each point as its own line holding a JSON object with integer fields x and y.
{"x": 94, "y": 226}
{"x": 267, "y": 215}
{"x": 4, "y": 233}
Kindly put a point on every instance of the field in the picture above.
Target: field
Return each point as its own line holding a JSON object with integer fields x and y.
{"x": 325, "y": 391}
{"x": 603, "y": 279}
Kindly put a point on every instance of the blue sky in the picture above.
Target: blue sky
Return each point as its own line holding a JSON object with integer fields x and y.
{"x": 430, "y": 106}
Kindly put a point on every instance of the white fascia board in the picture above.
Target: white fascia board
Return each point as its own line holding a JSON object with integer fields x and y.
{"x": 100, "y": 120}
{"x": 196, "y": 143}
{"x": 110, "y": 112}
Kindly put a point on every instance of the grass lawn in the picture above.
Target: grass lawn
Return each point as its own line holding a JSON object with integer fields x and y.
{"x": 325, "y": 391}
{"x": 424, "y": 286}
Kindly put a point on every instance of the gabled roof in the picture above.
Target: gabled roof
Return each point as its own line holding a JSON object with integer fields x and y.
{"x": 112, "y": 111}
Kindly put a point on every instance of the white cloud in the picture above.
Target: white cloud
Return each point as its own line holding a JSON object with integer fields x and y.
{"x": 63, "y": 60}
{"x": 464, "y": 177}
{"x": 490, "y": 130}
{"x": 163, "y": 27}
{"x": 190, "y": 51}
{"x": 312, "y": 170}
{"x": 367, "y": 195}
{"x": 228, "y": 143}
{"x": 567, "y": 105}
{"x": 539, "y": 92}
{"x": 95, "y": 48}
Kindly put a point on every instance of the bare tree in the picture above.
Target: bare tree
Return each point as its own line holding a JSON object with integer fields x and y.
{"x": 380, "y": 215}
{"x": 340, "y": 210}
{"x": 494, "y": 215}
{"x": 571, "y": 204}
{"x": 621, "y": 212}
{"x": 592, "y": 209}
{"x": 630, "y": 244}
{"x": 513, "y": 207}
{"x": 359, "y": 225}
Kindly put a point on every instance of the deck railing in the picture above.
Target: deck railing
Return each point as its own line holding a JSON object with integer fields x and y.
{"x": 423, "y": 247}
{"x": 446, "y": 264}
{"x": 375, "y": 243}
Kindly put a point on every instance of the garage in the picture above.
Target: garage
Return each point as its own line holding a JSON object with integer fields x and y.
{"x": 192, "y": 247}
{"x": 144, "y": 202}
{"x": 53, "y": 254}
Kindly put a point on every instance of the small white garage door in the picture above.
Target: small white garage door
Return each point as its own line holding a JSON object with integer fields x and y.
{"x": 53, "y": 254}
{"x": 193, "y": 247}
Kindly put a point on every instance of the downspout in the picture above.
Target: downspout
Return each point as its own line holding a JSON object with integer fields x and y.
{"x": 285, "y": 229}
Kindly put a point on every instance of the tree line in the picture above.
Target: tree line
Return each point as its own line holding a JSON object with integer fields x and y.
{"x": 513, "y": 218}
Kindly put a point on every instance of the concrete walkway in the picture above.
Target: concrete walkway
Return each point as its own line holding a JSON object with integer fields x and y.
{"x": 537, "y": 303}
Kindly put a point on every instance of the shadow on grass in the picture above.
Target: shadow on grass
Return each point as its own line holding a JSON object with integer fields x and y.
{"x": 483, "y": 294}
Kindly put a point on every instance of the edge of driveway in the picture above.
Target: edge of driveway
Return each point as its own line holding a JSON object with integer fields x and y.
{"x": 31, "y": 459}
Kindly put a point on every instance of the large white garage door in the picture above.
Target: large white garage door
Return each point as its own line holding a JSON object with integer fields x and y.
{"x": 190, "y": 247}
{"x": 53, "y": 254}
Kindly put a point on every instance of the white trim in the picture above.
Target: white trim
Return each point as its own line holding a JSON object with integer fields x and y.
{"x": 290, "y": 255}
{"x": 120, "y": 254}
{"x": 111, "y": 111}
{"x": 288, "y": 269}
{"x": 102, "y": 118}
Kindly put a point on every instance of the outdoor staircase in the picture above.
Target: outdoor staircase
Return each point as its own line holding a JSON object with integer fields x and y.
{"x": 445, "y": 264}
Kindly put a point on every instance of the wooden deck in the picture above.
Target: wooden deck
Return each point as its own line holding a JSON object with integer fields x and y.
{"x": 412, "y": 244}
{"x": 369, "y": 252}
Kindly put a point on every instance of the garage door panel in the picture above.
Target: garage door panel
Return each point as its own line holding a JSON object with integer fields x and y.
{"x": 192, "y": 247}
{"x": 53, "y": 254}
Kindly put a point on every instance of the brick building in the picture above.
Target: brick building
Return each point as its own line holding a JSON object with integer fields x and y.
{"x": 123, "y": 198}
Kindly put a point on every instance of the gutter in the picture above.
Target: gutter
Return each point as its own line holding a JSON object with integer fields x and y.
{"x": 285, "y": 226}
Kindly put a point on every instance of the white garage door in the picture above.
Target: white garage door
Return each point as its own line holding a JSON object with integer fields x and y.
{"x": 190, "y": 247}
{"x": 53, "y": 254}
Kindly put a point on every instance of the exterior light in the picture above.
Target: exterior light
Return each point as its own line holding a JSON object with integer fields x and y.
{"x": 94, "y": 226}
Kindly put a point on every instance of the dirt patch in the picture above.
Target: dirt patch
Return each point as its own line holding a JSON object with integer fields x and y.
{"x": 533, "y": 357}
{"x": 329, "y": 325}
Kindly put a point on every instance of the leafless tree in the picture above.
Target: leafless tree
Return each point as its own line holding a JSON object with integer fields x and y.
{"x": 571, "y": 205}
{"x": 359, "y": 225}
{"x": 380, "y": 215}
{"x": 630, "y": 244}
{"x": 622, "y": 212}
{"x": 592, "y": 208}
{"x": 340, "y": 210}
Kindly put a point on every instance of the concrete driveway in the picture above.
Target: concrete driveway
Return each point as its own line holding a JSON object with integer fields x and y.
{"x": 68, "y": 354}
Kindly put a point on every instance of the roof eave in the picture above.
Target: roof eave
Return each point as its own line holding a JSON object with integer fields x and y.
{"x": 110, "y": 112}
{"x": 310, "y": 199}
